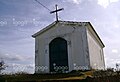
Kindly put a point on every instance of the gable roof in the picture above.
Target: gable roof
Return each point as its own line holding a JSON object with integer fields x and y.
{"x": 44, "y": 29}
{"x": 66, "y": 22}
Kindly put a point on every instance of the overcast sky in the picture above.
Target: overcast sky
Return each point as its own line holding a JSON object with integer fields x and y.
{"x": 19, "y": 19}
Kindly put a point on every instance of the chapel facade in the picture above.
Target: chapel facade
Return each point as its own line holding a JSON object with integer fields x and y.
{"x": 66, "y": 46}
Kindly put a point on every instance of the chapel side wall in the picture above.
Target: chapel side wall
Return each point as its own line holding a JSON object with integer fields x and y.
{"x": 95, "y": 52}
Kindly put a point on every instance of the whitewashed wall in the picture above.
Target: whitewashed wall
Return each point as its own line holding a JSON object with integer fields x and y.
{"x": 76, "y": 40}
{"x": 84, "y": 49}
{"x": 95, "y": 51}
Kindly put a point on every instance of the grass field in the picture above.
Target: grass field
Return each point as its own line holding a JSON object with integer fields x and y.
{"x": 76, "y": 76}
{"x": 44, "y": 77}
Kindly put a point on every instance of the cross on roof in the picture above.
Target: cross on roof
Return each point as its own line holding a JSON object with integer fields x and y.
{"x": 56, "y": 11}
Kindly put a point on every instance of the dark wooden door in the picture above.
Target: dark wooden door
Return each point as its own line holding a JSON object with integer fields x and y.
{"x": 58, "y": 53}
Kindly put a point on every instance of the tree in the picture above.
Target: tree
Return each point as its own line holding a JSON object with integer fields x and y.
{"x": 117, "y": 68}
{"x": 2, "y": 65}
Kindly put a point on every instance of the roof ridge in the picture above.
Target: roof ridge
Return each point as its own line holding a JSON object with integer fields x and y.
{"x": 72, "y": 21}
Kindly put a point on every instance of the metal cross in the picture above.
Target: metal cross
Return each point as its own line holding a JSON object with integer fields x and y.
{"x": 56, "y": 11}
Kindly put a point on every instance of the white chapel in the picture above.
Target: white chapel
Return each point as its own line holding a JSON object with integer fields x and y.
{"x": 66, "y": 46}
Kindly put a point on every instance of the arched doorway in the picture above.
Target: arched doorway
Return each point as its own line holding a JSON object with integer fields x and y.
{"x": 58, "y": 55}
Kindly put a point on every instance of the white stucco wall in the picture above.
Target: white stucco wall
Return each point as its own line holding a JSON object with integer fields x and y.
{"x": 84, "y": 49}
{"x": 80, "y": 48}
{"x": 76, "y": 40}
{"x": 95, "y": 51}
